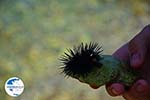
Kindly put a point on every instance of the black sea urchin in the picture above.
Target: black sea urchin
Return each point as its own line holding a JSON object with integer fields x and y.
{"x": 81, "y": 59}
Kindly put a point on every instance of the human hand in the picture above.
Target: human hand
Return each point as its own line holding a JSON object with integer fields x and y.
{"x": 137, "y": 53}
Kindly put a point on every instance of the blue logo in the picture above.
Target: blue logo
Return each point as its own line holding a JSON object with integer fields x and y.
{"x": 14, "y": 86}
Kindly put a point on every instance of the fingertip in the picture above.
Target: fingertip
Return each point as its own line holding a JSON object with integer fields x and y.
{"x": 141, "y": 86}
{"x": 115, "y": 89}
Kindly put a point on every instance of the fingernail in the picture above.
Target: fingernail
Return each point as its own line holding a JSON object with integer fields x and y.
{"x": 141, "y": 87}
{"x": 135, "y": 60}
{"x": 117, "y": 91}
{"x": 114, "y": 91}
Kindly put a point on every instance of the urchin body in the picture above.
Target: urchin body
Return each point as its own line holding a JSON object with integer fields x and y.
{"x": 88, "y": 66}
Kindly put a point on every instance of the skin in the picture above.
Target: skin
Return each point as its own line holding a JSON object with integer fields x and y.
{"x": 115, "y": 73}
{"x": 136, "y": 52}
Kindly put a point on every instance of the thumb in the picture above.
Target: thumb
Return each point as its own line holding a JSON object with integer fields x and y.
{"x": 137, "y": 51}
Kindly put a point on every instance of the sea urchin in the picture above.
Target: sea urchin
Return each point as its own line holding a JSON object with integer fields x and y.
{"x": 81, "y": 59}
